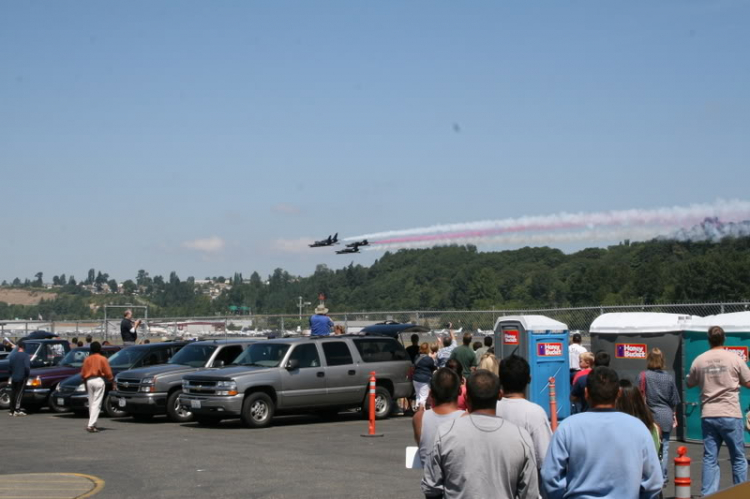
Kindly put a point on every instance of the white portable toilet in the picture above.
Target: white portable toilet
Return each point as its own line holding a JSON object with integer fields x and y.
{"x": 628, "y": 337}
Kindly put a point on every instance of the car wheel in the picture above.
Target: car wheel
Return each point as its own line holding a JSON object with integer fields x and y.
{"x": 5, "y": 398}
{"x": 206, "y": 420}
{"x": 383, "y": 403}
{"x": 175, "y": 411}
{"x": 257, "y": 410}
{"x": 143, "y": 417}
{"x": 52, "y": 402}
{"x": 112, "y": 410}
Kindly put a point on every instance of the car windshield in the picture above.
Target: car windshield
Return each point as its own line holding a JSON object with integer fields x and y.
{"x": 74, "y": 358}
{"x": 125, "y": 358}
{"x": 193, "y": 355}
{"x": 263, "y": 354}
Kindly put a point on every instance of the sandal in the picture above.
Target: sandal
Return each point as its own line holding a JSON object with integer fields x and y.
{"x": 92, "y": 429}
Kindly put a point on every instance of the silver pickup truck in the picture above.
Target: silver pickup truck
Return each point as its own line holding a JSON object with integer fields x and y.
{"x": 144, "y": 392}
{"x": 323, "y": 374}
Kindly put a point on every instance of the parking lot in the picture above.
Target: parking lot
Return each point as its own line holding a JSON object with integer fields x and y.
{"x": 300, "y": 456}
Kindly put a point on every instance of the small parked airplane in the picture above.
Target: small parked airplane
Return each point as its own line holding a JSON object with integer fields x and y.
{"x": 329, "y": 241}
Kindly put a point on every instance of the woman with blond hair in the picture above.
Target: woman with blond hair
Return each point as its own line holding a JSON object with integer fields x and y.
{"x": 661, "y": 395}
{"x": 490, "y": 363}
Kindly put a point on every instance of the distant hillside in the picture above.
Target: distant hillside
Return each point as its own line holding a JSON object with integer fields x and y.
{"x": 24, "y": 297}
{"x": 453, "y": 277}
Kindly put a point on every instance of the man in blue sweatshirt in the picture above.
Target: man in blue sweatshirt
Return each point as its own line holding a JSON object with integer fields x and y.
{"x": 602, "y": 452}
{"x": 20, "y": 367}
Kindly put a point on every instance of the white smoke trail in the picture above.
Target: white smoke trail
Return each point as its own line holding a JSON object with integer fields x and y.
{"x": 674, "y": 216}
{"x": 532, "y": 239}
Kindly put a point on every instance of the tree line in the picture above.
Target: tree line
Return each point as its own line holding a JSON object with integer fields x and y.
{"x": 443, "y": 278}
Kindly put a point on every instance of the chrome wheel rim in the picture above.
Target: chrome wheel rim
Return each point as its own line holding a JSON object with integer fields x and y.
{"x": 380, "y": 404}
{"x": 178, "y": 409}
{"x": 259, "y": 410}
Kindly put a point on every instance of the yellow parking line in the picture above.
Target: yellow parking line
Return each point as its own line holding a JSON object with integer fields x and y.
{"x": 78, "y": 490}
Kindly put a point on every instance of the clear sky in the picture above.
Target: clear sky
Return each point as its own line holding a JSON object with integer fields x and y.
{"x": 213, "y": 137}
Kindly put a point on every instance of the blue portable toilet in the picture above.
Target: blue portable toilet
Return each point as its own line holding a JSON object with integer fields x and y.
{"x": 543, "y": 342}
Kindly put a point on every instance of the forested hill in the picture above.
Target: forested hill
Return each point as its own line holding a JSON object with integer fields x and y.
{"x": 455, "y": 277}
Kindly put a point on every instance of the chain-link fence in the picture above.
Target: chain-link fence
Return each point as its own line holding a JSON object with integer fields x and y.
{"x": 578, "y": 319}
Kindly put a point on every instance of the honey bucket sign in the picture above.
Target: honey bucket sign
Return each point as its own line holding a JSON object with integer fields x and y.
{"x": 549, "y": 349}
{"x": 741, "y": 352}
{"x": 511, "y": 337}
{"x": 631, "y": 350}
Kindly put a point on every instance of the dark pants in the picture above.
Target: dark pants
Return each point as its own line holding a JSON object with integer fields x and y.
{"x": 16, "y": 394}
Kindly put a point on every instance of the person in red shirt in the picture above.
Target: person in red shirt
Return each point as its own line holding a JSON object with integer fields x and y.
{"x": 585, "y": 362}
{"x": 94, "y": 371}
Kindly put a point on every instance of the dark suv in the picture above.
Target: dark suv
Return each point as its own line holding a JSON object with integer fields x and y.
{"x": 71, "y": 393}
{"x": 145, "y": 392}
{"x": 44, "y": 380}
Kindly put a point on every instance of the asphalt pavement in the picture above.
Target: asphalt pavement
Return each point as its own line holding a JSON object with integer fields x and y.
{"x": 300, "y": 456}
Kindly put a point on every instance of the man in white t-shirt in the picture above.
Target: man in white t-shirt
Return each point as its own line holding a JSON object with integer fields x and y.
{"x": 575, "y": 349}
{"x": 515, "y": 375}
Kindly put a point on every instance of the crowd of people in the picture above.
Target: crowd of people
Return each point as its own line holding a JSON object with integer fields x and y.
{"x": 478, "y": 436}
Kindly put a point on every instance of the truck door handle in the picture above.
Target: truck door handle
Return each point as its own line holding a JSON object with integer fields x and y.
{"x": 321, "y": 374}
{"x": 352, "y": 372}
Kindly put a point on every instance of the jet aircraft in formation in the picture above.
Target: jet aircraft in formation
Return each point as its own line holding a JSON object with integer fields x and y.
{"x": 329, "y": 241}
{"x": 334, "y": 240}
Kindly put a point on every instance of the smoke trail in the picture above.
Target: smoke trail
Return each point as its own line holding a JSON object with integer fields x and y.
{"x": 561, "y": 227}
{"x": 546, "y": 238}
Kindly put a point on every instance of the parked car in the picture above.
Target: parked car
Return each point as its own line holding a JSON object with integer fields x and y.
{"x": 144, "y": 392}
{"x": 71, "y": 394}
{"x": 299, "y": 374}
{"x": 43, "y": 353}
{"x": 44, "y": 380}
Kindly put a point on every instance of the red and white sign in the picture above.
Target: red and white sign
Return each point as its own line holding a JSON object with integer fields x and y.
{"x": 631, "y": 350}
{"x": 511, "y": 337}
{"x": 740, "y": 351}
{"x": 549, "y": 349}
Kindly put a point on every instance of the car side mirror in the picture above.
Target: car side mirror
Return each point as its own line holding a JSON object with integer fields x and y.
{"x": 219, "y": 363}
{"x": 292, "y": 365}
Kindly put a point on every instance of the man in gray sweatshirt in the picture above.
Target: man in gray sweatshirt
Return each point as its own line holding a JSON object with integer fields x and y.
{"x": 480, "y": 454}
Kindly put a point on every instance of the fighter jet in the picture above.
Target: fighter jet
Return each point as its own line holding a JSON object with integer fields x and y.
{"x": 346, "y": 251}
{"x": 329, "y": 241}
{"x": 358, "y": 244}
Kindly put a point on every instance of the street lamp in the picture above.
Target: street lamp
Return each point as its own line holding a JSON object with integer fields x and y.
{"x": 300, "y": 303}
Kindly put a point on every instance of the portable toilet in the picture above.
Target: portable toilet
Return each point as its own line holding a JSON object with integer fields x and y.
{"x": 628, "y": 337}
{"x": 736, "y": 327}
{"x": 543, "y": 342}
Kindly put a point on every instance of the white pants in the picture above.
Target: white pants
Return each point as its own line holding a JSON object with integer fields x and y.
{"x": 95, "y": 389}
{"x": 422, "y": 391}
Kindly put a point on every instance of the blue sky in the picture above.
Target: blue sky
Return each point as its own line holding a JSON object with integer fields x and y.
{"x": 213, "y": 137}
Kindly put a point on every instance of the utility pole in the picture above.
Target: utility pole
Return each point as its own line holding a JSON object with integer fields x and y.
{"x": 300, "y": 304}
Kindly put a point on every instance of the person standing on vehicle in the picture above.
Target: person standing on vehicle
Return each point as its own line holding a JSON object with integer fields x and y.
{"x": 129, "y": 329}
{"x": 94, "y": 371}
{"x": 465, "y": 356}
{"x": 662, "y": 398}
{"x": 320, "y": 323}
{"x": 19, "y": 363}
{"x": 719, "y": 374}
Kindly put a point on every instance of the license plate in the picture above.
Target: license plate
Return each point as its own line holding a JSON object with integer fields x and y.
{"x": 195, "y": 404}
{"x": 60, "y": 401}
{"x": 121, "y": 402}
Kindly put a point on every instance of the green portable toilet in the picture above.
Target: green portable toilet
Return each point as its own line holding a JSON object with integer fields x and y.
{"x": 737, "y": 329}
{"x": 628, "y": 337}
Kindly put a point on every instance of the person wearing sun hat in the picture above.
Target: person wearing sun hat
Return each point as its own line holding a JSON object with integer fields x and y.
{"x": 320, "y": 323}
